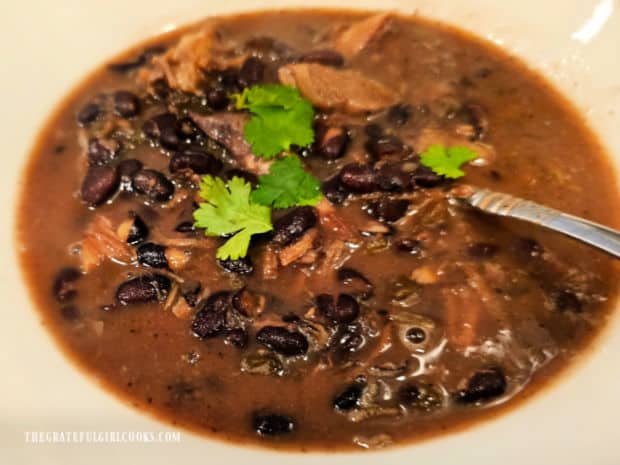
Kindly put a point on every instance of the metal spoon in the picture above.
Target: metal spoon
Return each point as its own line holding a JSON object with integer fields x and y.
{"x": 501, "y": 204}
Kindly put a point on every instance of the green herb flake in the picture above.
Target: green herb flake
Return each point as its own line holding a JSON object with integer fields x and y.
{"x": 281, "y": 117}
{"x": 229, "y": 211}
{"x": 447, "y": 161}
{"x": 288, "y": 184}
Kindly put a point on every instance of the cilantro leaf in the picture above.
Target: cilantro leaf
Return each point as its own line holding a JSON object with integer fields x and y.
{"x": 447, "y": 161}
{"x": 288, "y": 184}
{"x": 280, "y": 118}
{"x": 228, "y": 210}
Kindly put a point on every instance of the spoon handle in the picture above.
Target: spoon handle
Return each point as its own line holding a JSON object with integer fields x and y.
{"x": 497, "y": 203}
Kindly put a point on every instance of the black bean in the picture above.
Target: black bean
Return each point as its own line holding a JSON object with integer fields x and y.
{"x": 332, "y": 142}
{"x": 373, "y": 130}
{"x": 347, "y": 309}
{"x": 185, "y": 227}
{"x": 483, "y": 386}
{"x": 164, "y": 128}
{"x": 272, "y": 424}
{"x": 482, "y": 250}
{"x": 153, "y": 255}
{"x": 128, "y": 167}
{"x": 102, "y": 151}
{"x": 196, "y": 160}
{"x": 99, "y": 184}
{"x": 153, "y": 127}
{"x": 88, "y": 113}
{"x": 64, "y": 287}
{"x": 293, "y": 225}
{"x": 425, "y": 177}
{"x": 217, "y": 98}
{"x": 565, "y": 300}
{"x": 344, "y": 310}
{"x": 356, "y": 282}
{"x": 251, "y": 72}
{"x": 388, "y": 210}
{"x": 327, "y": 57}
{"x": 242, "y": 265}
{"x": 245, "y": 175}
{"x": 357, "y": 177}
{"x": 400, "y": 114}
{"x": 409, "y": 394}
{"x": 349, "y": 398}
{"x": 126, "y": 104}
{"x": 70, "y": 312}
{"x": 169, "y": 138}
{"x": 138, "y": 231}
{"x": 153, "y": 185}
{"x": 210, "y": 321}
{"x": 237, "y": 337}
{"x": 229, "y": 79}
{"x": 384, "y": 146}
{"x": 416, "y": 335}
{"x": 408, "y": 245}
{"x": 145, "y": 288}
{"x": 283, "y": 341}
{"x": 333, "y": 190}
{"x": 392, "y": 177}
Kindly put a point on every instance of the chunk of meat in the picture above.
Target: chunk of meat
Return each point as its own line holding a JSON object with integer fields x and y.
{"x": 360, "y": 34}
{"x": 181, "y": 310}
{"x": 463, "y": 310}
{"x": 335, "y": 254}
{"x": 183, "y": 65}
{"x": 268, "y": 264}
{"x": 101, "y": 242}
{"x": 226, "y": 128}
{"x": 330, "y": 219}
{"x": 298, "y": 249}
{"x": 337, "y": 89}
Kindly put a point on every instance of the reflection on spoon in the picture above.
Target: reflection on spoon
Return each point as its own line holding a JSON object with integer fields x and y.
{"x": 501, "y": 204}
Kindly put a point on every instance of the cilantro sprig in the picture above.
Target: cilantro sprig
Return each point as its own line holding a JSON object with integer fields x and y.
{"x": 447, "y": 161}
{"x": 288, "y": 184}
{"x": 236, "y": 211}
{"x": 229, "y": 211}
{"x": 281, "y": 117}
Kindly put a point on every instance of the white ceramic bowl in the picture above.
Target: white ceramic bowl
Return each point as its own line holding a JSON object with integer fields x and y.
{"x": 48, "y": 46}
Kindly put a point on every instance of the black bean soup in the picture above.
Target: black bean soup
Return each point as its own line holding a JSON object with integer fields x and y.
{"x": 376, "y": 310}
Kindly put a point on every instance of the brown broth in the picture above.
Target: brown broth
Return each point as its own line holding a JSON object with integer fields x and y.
{"x": 543, "y": 151}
